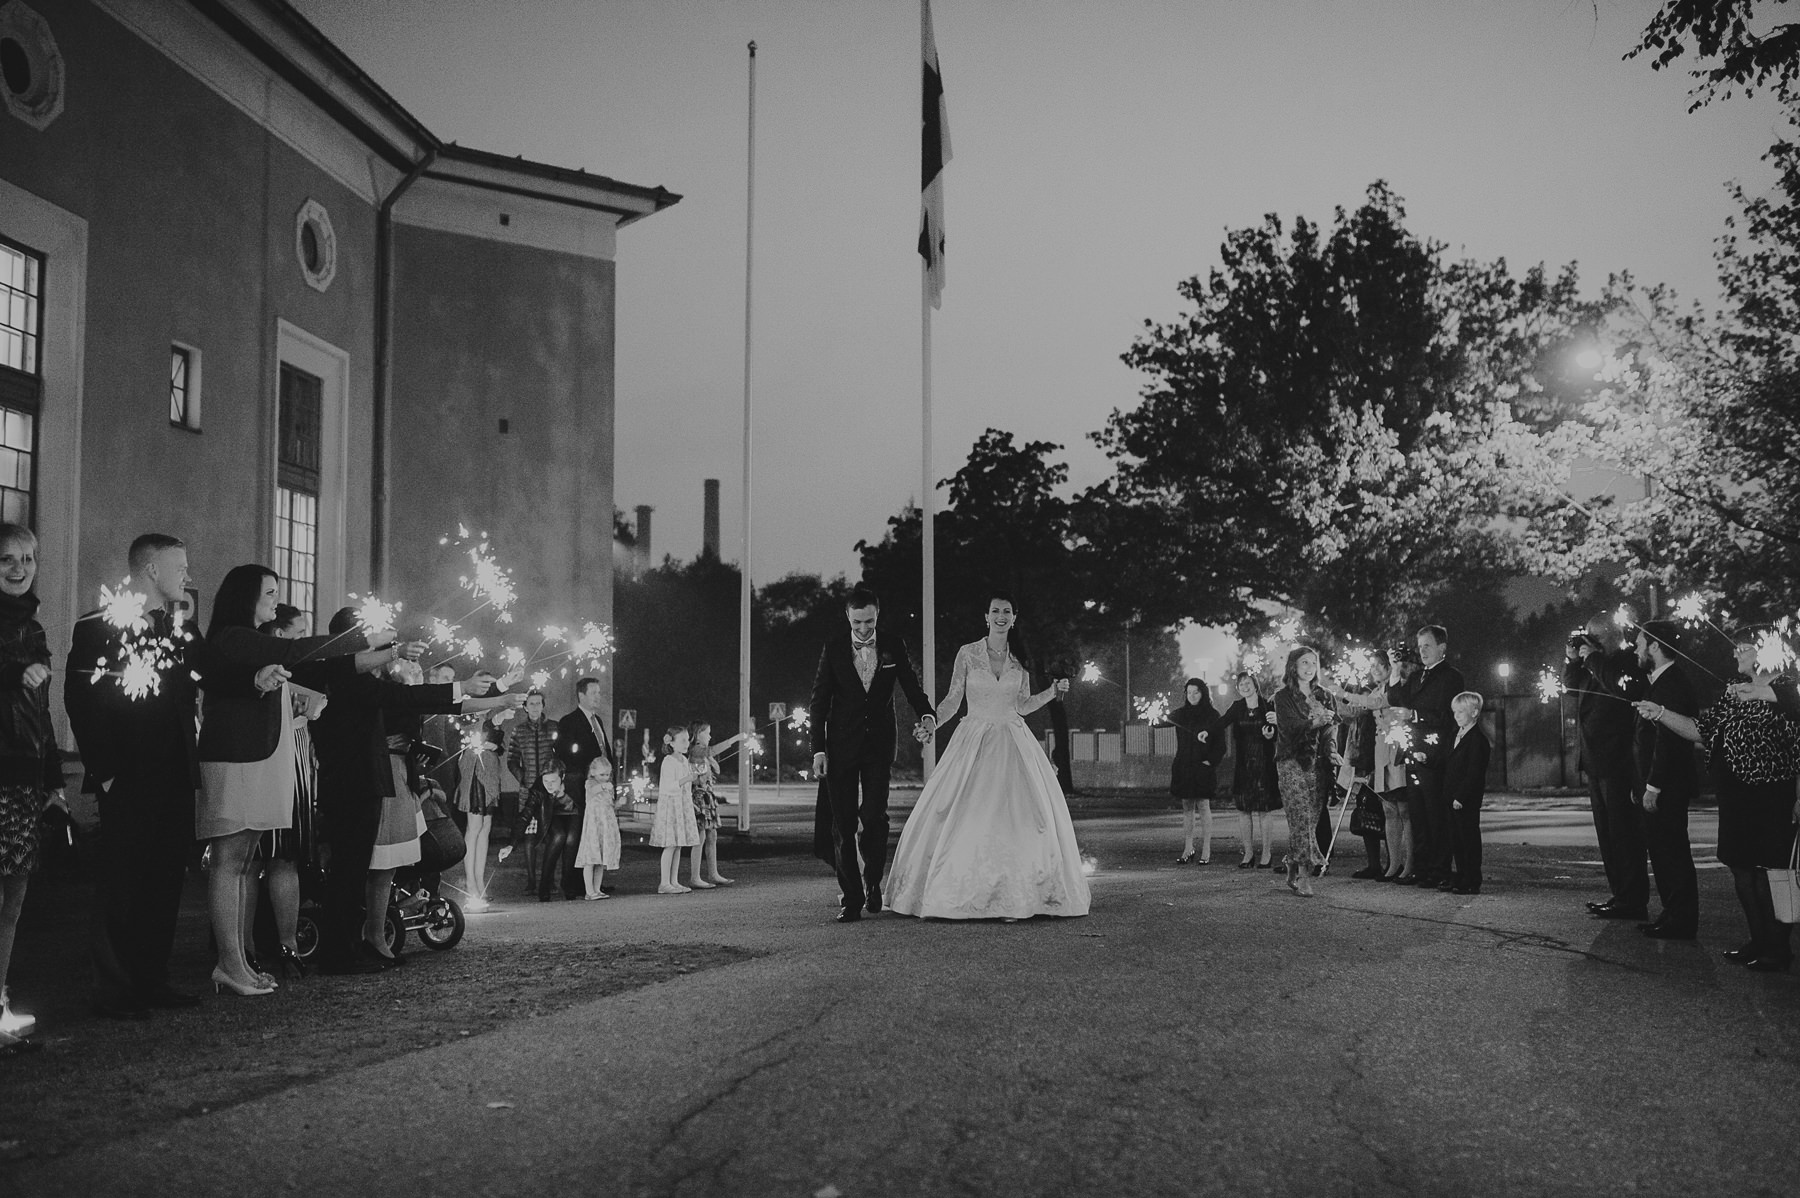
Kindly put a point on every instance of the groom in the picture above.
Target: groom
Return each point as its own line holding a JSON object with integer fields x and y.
{"x": 852, "y": 713}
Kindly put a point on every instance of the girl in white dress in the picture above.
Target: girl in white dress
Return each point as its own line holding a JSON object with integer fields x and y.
{"x": 674, "y": 827}
{"x": 990, "y": 837}
{"x": 600, "y": 846}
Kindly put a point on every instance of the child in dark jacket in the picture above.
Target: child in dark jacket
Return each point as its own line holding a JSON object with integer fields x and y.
{"x": 1465, "y": 785}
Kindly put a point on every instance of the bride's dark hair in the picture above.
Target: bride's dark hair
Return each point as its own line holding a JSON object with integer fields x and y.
{"x": 1015, "y": 640}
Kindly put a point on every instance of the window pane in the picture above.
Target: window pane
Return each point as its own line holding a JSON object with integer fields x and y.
{"x": 18, "y": 309}
{"x": 178, "y": 385}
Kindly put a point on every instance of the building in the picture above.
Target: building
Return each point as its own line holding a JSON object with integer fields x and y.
{"x": 246, "y": 298}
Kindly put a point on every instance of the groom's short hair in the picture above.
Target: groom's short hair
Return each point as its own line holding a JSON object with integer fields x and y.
{"x": 862, "y": 595}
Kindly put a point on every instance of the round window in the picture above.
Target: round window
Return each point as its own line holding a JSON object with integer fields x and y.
{"x": 31, "y": 67}
{"x": 315, "y": 245}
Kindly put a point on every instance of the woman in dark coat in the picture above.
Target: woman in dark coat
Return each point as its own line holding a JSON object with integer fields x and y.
{"x": 30, "y": 765}
{"x": 1253, "y": 786}
{"x": 1754, "y": 751}
{"x": 1199, "y": 743}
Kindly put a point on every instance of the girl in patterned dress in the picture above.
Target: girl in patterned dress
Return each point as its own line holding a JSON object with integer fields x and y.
{"x": 703, "y": 756}
{"x": 674, "y": 827}
{"x": 600, "y": 843}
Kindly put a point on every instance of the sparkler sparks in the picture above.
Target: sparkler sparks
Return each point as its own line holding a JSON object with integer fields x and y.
{"x": 1152, "y": 710}
{"x": 124, "y": 608}
{"x": 138, "y": 676}
{"x": 1357, "y": 665}
{"x": 1399, "y": 736}
{"x": 1090, "y": 671}
{"x": 472, "y": 649}
{"x": 800, "y": 720}
{"x": 1690, "y": 609}
{"x": 1549, "y": 686}
{"x": 1773, "y": 653}
{"x": 540, "y": 679}
{"x": 373, "y": 615}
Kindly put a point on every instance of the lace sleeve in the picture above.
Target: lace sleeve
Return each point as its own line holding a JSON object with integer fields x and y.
{"x": 959, "y": 678}
{"x": 1029, "y": 702}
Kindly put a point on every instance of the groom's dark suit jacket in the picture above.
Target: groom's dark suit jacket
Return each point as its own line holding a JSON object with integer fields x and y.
{"x": 849, "y": 724}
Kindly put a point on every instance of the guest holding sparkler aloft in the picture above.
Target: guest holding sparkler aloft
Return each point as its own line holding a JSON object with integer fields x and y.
{"x": 30, "y": 764}
{"x": 1603, "y": 679}
{"x": 356, "y": 775}
{"x": 1754, "y": 751}
{"x": 1303, "y": 717}
{"x": 246, "y": 748}
{"x": 1667, "y": 780}
{"x": 1424, "y": 704}
{"x": 139, "y": 762}
{"x": 1193, "y": 778}
{"x": 703, "y": 756}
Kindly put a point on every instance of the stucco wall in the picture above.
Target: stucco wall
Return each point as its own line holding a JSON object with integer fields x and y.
{"x": 190, "y": 206}
{"x": 486, "y": 332}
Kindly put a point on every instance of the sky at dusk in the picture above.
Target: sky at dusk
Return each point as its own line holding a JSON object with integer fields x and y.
{"x": 1101, "y": 150}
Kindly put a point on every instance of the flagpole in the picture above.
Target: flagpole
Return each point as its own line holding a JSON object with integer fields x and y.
{"x": 927, "y": 526}
{"x": 746, "y": 759}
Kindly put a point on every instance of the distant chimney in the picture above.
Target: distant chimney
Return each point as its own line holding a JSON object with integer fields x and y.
{"x": 709, "y": 525}
{"x": 644, "y": 560}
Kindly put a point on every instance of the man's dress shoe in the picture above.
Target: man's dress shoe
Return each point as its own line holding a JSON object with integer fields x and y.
{"x": 874, "y": 903}
{"x": 849, "y": 914}
{"x": 1637, "y": 913}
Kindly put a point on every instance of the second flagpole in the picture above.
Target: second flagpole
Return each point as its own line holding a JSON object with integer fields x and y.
{"x": 927, "y": 526}
{"x": 746, "y": 758}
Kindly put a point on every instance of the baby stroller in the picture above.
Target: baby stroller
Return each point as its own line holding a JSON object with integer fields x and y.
{"x": 415, "y": 903}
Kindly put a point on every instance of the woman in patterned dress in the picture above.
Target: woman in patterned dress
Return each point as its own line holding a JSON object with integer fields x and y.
{"x": 30, "y": 765}
{"x": 1254, "y": 789}
{"x": 1303, "y": 719}
{"x": 674, "y": 828}
{"x": 1754, "y": 751}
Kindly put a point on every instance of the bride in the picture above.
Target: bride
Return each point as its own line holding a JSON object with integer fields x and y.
{"x": 990, "y": 837}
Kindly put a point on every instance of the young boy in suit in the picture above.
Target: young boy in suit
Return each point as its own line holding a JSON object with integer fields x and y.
{"x": 1465, "y": 785}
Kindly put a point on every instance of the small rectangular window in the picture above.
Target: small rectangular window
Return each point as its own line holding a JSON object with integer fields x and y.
{"x": 184, "y": 390}
{"x": 21, "y": 288}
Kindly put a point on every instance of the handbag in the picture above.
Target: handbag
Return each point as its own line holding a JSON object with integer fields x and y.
{"x": 1367, "y": 819}
{"x": 1784, "y": 887}
{"x": 441, "y": 845}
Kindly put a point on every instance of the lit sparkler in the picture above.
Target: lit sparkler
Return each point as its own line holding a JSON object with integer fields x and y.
{"x": 1549, "y": 686}
{"x": 1399, "y": 736}
{"x": 540, "y": 679}
{"x": 800, "y": 720}
{"x": 472, "y": 649}
{"x": 374, "y": 616}
{"x": 1355, "y": 667}
{"x": 1773, "y": 653}
{"x": 1152, "y": 710}
{"x": 1090, "y": 671}
{"x": 124, "y": 608}
{"x": 138, "y": 676}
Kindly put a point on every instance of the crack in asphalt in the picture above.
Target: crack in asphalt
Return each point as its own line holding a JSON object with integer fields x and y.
{"x": 1509, "y": 938}
{"x": 716, "y": 1163}
{"x": 1393, "y": 1169}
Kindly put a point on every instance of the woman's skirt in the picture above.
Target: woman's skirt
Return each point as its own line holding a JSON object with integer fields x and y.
{"x": 1756, "y": 823}
{"x": 21, "y": 811}
{"x": 402, "y": 823}
{"x": 1300, "y": 801}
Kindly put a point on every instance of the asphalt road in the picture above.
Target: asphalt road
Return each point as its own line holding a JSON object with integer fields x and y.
{"x": 1202, "y": 1032}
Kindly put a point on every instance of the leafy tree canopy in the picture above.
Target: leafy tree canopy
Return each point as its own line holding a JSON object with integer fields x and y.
{"x": 1731, "y": 46}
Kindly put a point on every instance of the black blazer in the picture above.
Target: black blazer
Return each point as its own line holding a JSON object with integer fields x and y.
{"x": 351, "y": 734}
{"x": 1606, "y": 723}
{"x": 1465, "y": 770}
{"x": 151, "y": 738}
{"x": 576, "y": 748}
{"x": 1428, "y": 696}
{"x": 850, "y": 724}
{"x": 247, "y": 727}
{"x": 1663, "y": 759}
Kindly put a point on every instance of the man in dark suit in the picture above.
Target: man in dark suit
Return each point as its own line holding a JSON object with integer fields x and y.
{"x": 1465, "y": 785}
{"x": 1668, "y": 779}
{"x": 140, "y": 763}
{"x": 852, "y": 714}
{"x": 1425, "y": 700}
{"x": 1606, "y": 679}
{"x": 580, "y": 737}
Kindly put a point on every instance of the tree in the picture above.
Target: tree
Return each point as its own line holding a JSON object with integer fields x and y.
{"x": 1720, "y": 32}
{"x": 1327, "y": 428}
{"x": 1708, "y": 410}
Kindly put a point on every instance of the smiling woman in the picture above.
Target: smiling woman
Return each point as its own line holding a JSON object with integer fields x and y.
{"x": 30, "y": 765}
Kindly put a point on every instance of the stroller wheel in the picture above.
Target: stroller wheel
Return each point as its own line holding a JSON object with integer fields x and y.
{"x": 306, "y": 934}
{"x": 396, "y": 930}
{"x": 444, "y": 925}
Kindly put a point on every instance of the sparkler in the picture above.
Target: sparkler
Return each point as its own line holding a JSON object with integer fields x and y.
{"x": 124, "y": 609}
{"x": 1400, "y": 736}
{"x": 1549, "y": 686}
{"x": 1152, "y": 710}
{"x": 1090, "y": 865}
{"x": 374, "y": 616}
{"x": 142, "y": 658}
{"x": 1773, "y": 653}
{"x": 801, "y": 720}
{"x": 1355, "y": 667}
{"x": 1090, "y": 672}
{"x": 540, "y": 679}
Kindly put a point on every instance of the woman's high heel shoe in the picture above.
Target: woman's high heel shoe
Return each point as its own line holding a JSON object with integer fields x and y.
{"x": 222, "y": 982}
{"x": 291, "y": 964}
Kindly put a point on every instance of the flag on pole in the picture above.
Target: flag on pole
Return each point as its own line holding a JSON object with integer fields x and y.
{"x": 934, "y": 144}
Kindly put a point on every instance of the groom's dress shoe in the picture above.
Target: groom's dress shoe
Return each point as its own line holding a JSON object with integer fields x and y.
{"x": 849, "y": 914}
{"x": 874, "y": 903}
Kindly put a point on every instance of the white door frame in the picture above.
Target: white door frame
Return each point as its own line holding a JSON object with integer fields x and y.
{"x": 300, "y": 349}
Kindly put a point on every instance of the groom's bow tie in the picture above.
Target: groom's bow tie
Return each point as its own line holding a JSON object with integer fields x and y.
{"x": 860, "y": 645}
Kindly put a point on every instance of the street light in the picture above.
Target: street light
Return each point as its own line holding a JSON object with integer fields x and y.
{"x": 1504, "y": 669}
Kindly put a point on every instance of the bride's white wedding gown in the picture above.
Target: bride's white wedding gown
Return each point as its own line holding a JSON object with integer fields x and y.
{"x": 990, "y": 837}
